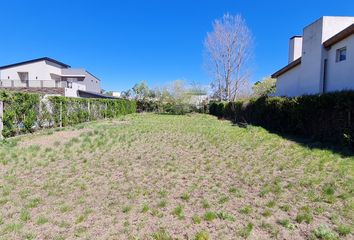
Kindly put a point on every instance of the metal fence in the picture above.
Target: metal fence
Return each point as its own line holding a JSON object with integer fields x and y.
{"x": 9, "y": 83}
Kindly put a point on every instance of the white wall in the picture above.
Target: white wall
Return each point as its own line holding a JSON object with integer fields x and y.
{"x": 288, "y": 84}
{"x": 309, "y": 75}
{"x": 331, "y": 27}
{"x": 41, "y": 70}
{"x": 92, "y": 83}
{"x": 340, "y": 75}
{"x": 295, "y": 48}
{"x": 72, "y": 92}
{"x": 47, "y": 72}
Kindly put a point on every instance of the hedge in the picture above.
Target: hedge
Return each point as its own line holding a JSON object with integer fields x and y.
{"x": 25, "y": 112}
{"x": 326, "y": 117}
{"x": 69, "y": 111}
{"x": 172, "y": 108}
{"x": 20, "y": 111}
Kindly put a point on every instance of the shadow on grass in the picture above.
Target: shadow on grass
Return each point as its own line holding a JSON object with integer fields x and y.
{"x": 341, "y": 149}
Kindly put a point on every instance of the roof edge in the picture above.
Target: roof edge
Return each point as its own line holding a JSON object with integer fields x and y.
{"x": 36, "y": 60}
{"x": 287, "y": 68}
{"x": 92, "y": 75}
{"x": 296, "y": 36}
{"x": 339, "y": 36}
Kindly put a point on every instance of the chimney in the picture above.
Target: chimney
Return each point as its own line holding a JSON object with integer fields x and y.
{"x": 295, "y": 48}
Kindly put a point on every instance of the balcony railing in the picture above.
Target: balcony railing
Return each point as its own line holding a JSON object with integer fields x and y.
{"x": 8, "y": 83}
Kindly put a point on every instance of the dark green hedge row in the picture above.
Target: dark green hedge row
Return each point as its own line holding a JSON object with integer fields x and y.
{"x": 326, "y": 117}
{"x": 25, "y": 112}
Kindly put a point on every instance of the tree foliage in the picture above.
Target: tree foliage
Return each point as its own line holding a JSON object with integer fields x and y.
{"x": 141, "y": 90}
{"x": 25, "y": 112}
{"x": 265, "y": 87}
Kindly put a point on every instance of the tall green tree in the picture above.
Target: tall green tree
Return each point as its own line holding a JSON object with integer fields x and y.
{"x": 265, "y": 87}
{"x": 141, "y": 90}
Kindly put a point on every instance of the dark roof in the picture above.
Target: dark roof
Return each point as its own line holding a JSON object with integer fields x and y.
{"x": 87, "y": 94}
{"x": 296, "y": 36}
{"x": 339, "y": 37}
{"x": 287, "y": 68}
{"x": 36, "y": 60}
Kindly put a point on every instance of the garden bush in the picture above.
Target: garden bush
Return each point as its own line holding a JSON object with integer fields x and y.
{"x": 326, "y": 117}
{"x": 20, "y": 112}
{"x": 172, "y": 108}
{"x": 25, "y": 112}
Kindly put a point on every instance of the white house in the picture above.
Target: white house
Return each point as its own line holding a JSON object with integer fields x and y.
{"x": 50, "y": 76}
{"x": 321, "y": 60}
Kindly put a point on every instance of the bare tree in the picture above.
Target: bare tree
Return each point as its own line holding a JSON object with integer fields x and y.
{"x": 228, "y": 50}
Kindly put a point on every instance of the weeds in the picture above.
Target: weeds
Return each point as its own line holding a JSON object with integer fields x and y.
{"x": 246, "y": 210}
{"x": 203, "y": 235}
{"x": 179, "y": 212}
{"x": 185, "y": 196}
{"x": 161, "y": 235}
{"x": 210, "y": 216}
{"x": 323, "y": 232}
{"x": 246, "y": 231}
{"x": 24, "y": 215}
{"x": 42, "y": 220}
{"x": 343, "y": 230}
{"x": 304, "y": 216}
{"x": 287, "y": 224}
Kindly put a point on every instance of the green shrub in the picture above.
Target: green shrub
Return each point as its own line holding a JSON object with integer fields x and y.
{"x": 325, "y": 117}
{"x": 172, "y": 108}
{"x": 77, "y": 110}
{"x": 25, "y": 112}
{"x": 20, "y": 110}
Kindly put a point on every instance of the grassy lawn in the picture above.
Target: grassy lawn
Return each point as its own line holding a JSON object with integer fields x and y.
{"x": 172, "y": 177}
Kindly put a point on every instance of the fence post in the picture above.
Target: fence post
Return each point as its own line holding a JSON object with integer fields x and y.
{"x": 61, "y": 115}
{"x": 1, "y": 117}
{"x": 89, "y": 111}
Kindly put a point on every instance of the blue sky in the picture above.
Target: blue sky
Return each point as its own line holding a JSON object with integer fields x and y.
{"x": 124, "y": 42}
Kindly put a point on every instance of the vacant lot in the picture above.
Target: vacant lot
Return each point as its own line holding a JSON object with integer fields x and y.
{"x": 189, "y": 177}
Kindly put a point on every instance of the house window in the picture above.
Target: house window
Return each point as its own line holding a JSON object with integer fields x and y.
{"x": 341, "y": 54}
